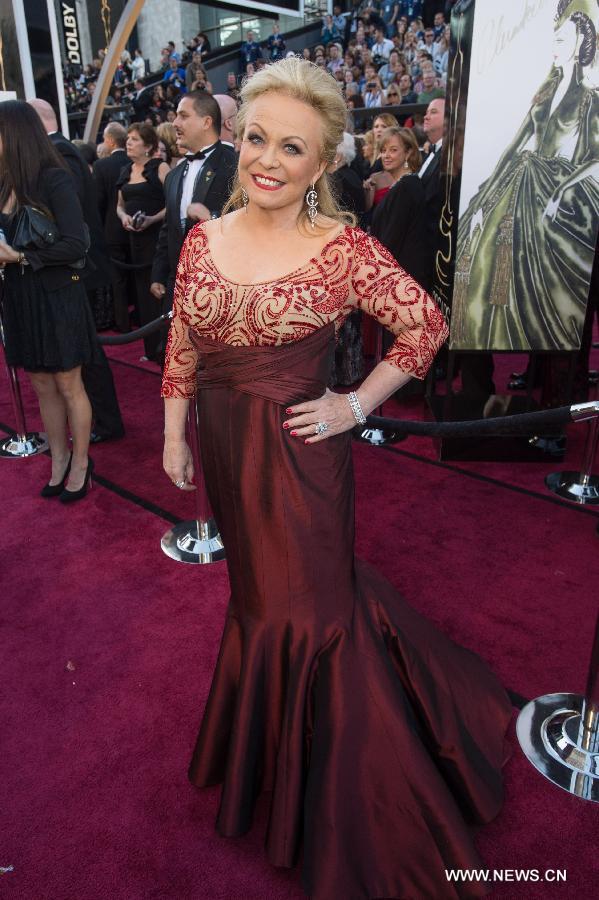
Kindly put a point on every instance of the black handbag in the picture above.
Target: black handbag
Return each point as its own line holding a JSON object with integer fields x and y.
{"x": 34, "y": 230}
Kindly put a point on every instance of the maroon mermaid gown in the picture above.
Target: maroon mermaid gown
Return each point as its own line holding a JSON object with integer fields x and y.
{"x": 379, "y": 739}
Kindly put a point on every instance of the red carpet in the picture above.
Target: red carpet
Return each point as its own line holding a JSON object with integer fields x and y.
{"x": 108, "y": 647}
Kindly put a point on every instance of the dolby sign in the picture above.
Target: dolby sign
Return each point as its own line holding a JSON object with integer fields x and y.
{"x": 70, "y": 31}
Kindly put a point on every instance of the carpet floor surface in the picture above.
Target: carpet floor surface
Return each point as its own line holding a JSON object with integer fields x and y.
{"x": 108, "y": 648}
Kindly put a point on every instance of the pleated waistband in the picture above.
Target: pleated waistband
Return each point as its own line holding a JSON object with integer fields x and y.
{"x": 285, "y": 373}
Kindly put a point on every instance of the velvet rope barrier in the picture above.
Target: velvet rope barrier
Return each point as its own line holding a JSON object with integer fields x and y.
{"x": 546, "y": 420}
{"x": 150, "y": 328}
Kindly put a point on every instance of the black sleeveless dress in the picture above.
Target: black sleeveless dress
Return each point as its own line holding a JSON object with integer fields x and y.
{"x": 148, "y": 197}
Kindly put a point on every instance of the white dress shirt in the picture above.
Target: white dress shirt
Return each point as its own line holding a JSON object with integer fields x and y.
{"x": 429, "y": 159}
{"x": 194, "y": 168}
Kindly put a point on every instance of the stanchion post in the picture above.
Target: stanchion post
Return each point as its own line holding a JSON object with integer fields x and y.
{"x": 196, "y": 541}
{"x": 559, "y": 733}
{"x": 581, "y": 487}
{"x": 589, "y": 726}
{"x": 22, "y": 443}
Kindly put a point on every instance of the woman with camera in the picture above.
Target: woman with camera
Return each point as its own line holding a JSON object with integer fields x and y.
{"x": 49, "y": 330}
{"x": 141, "y": 209}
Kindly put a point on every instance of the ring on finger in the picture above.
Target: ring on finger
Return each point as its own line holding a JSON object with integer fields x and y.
{"x": 179, "y": 484}
{"x": 320, "y": 428}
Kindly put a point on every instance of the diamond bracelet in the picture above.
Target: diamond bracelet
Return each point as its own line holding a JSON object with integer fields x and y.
{"x": 356, "y": 408}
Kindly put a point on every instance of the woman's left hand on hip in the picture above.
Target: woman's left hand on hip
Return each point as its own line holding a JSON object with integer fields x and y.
{"x": 332, "y": 410}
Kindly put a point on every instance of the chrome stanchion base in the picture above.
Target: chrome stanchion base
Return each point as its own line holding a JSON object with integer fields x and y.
{"x": 377, "y": 436}
{"x": 574, "y": 486}
{"x": 548, "y": 731}
{"x": 23, "y": 445}
{"x": 194, "y": 542}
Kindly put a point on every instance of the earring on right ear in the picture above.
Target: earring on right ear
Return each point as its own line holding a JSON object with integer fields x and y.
{"x": 312, "y": 202}
{"x": 245, "y": 199}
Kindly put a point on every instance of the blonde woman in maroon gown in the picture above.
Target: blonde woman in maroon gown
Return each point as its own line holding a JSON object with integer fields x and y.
{"x": 379, "y": 740}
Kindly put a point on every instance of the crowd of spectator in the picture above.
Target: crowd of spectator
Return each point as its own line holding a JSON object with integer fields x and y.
{"x": 178, "y": 73}
{"x": 380, "y": 51}
{"x": 384, "y": 58}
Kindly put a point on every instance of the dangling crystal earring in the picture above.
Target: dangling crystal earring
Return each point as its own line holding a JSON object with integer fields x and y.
{"x": 312, "y": 201}
{"x": 245, "y": 199}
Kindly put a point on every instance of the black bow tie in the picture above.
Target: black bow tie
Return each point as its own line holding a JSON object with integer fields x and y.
{"x": 201, "y": 154}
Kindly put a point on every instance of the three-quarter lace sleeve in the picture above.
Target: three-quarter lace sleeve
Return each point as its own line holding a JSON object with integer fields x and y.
{"x": 385, "y": 291}
{"x": 181, "y": 360}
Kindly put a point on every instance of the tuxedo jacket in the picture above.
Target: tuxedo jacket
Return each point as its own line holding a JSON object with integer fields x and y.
{"x": 433, "y": 202}
{"x": 106, "y": 174}
{"x": 97, "y": 272}
{"x": 212, "y": 188}
{"x": 431, "y": 183}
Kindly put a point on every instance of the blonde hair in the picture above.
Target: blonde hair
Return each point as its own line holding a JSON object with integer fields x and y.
{"x": 301, "y": 80}
{"x": 389, "y": 121}
{"x": 167, "y": 134}
{"x": 409, "y": 143}
{"x": 369, "y": 147}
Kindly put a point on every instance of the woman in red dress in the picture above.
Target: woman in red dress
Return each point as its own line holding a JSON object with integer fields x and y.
{"x": 379, "y": 739}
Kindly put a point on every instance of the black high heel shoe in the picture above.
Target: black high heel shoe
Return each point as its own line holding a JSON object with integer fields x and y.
{"x": 70, "y": 496}
{"x": 53, "y": 490}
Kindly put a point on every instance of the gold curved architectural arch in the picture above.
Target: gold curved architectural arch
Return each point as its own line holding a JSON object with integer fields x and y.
{"x": 120, "y": 37}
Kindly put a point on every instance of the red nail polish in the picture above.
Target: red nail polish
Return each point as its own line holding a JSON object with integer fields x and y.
{"x": 293, "y": 433}
{"x": 285, "y": 424}
{"x": 289, "y": 411}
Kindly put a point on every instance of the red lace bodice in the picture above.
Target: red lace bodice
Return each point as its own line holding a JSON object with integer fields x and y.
{"x": 353, "y": 271}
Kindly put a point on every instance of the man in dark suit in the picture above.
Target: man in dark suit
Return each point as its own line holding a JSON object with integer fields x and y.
{"x": 106, "y": 174}
{"x": 196, "y": 189}
{"x": 97, "y": 377}
{"x": 249, "y": 52}
{"x": 429, "y": 174}
{"x": 141, "y": 100}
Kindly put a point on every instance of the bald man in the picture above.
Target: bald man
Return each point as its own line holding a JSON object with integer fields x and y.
{"x": 97, "y": 377}
{"x": 228, "y": 111}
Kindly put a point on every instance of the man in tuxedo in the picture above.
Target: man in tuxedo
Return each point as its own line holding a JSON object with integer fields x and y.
{"x": 97, "y": 377}
{"x": 429, "y": 175}
{"x": 106, "y": 174}
{"x": 195, "y": 190}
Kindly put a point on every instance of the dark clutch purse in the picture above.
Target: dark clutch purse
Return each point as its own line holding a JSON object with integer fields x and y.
{"x": 34, "y": 230}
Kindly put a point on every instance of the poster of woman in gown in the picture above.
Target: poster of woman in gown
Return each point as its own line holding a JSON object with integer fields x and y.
{"x": 526, "y": 236}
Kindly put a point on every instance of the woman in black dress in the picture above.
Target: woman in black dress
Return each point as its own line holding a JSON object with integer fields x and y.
{"x": 49, "y": 330}
{"x": 140, "y": 207}
{"x": 398, "y": 220}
